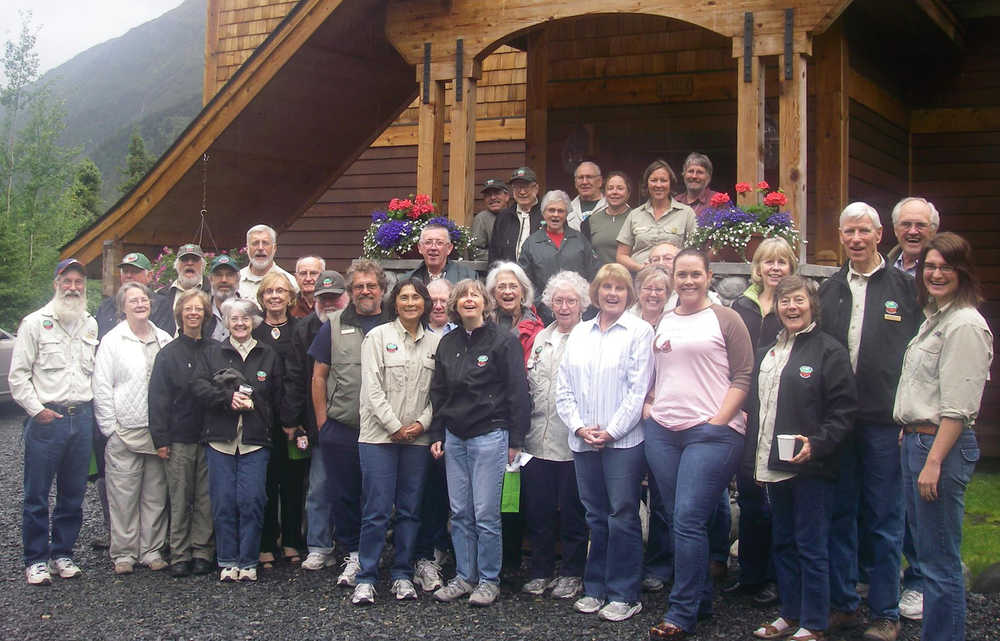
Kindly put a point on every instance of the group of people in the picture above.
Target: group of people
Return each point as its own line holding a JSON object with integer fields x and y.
{"x": 315, "y": 412}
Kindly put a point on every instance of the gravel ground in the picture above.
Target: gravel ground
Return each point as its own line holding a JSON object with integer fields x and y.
{"x": 289, "y": 603}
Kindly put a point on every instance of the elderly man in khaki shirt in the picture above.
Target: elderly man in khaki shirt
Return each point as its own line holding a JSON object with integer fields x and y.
{"x": 50, "y": 372}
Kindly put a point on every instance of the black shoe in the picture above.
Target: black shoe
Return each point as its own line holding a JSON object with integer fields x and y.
{"x": 202, "y": 566}
{"x": 768, "y": 595}
{"x": 736, "y": 587}
{"x": 177, "y": 570}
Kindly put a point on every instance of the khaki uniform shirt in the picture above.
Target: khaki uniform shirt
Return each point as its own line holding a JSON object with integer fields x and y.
{"x": 768, "y": 383}
{"x": 52, "y": 363}
{"x": 396, "y": 374}
{"x": 945, "y": 368}
{"x": 547, "y": 437}
{"x": 642, "y": 231}
{"x": 858, "y": 283}
{"x": 236, "y": 445}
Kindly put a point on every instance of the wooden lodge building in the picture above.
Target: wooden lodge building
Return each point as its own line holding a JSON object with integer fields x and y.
{"x": 317, "y": 112}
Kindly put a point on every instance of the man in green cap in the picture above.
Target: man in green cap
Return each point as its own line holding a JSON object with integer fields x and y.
{"x": 133, "y": 268}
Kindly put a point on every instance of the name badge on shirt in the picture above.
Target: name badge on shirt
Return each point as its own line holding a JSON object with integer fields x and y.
{"x": 349, "y": 330}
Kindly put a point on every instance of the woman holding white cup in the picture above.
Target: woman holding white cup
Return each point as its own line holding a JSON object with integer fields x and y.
{"x": 802, "y": 392}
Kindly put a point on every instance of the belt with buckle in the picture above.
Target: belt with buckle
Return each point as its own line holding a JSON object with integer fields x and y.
{"x": 921, "y": 428}
{"x": 68, "y": 410}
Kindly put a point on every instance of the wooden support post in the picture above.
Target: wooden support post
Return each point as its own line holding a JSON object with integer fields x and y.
{"x": 792, "y": 120}
{"x": 209, "y": 80}
{"x": 111, "y": 255}
{"x": 462, "y": 155}
{"x": 536, "y": 107}
{"x": 832, "y": 122}
{"x": 750, "y": 123}
{"x": 430, "y": 142}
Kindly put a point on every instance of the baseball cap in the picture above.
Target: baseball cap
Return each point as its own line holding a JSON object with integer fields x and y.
{"x": 493, "y": 183}
{"x": 136, "y": 259}
{"x": 330, "y": 282}
{"x": 190, "y": 248}
{"x": 223, "y": 260}
{"x": 523, "y": 173}
{"x": 66, "y": 264}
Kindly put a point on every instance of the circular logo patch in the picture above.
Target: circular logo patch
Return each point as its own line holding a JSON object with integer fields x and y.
{"x": 482, "y": 360}
{"x": 538, "y": 350}
{"x": 391, "y": 348}
{"x": 47, "y": 324}
{"x": 261, "y": 375}
{"x": 327, "y": 282}
{"x": 805, "y": 371}
{"x": 891, "y": 307}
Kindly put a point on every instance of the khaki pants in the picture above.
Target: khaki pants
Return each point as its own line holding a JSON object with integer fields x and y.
{"x": 190, "y": 508}
{"x": 137, "y": 499}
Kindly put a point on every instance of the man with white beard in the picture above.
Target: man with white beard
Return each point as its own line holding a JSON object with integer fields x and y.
{"x": 190, "y": 268}
{"x": 50, "y": 372}
{"x": 225, "y": 280}
{"x": 296, "y": 411}
{"x": 262, "y": 243}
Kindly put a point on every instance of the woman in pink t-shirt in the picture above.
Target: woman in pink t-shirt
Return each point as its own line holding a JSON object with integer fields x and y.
{"x": 694, "y": 428}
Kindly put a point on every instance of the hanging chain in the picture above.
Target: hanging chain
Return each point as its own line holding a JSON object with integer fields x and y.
{"x": 203, "y": 226}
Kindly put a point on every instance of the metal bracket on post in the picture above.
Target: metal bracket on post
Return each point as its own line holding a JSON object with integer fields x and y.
{"x": 427, "y": 73}
{"x": 748, "y": 46}
{"x": 458, "y": 70}
{"x": 789, "y": 26}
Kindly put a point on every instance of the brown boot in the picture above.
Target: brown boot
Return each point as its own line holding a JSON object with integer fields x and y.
{"x": 882, "y": 630}
{"x": 841, "y": 620}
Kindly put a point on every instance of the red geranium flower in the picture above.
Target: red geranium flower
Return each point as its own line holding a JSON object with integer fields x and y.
{"x": 719, "y": 199}
{"x": 404, "y": 204}
{"x": 775, "y": 199}
{"x": 422, "y": 199}
{"x": 763, "y": 185}
{"x": 394, "y": 204}
{"x": 743, "y": 188}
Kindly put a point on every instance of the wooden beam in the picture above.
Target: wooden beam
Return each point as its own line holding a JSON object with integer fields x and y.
{"x": 213, "y": 8}
{"x": 832, "y": 13}
{"x": 430, "y": 145}
{"x": 792, "y": 132}
{"x": 750, "y": 124}
{"x": 490, "y": 129}
{"x": 832, "y": 122}
{"x": 773, "y": 44}
{"x": 955, "y": 120}
{"x": 944, "y": 18}
{"x": 537, "y": 104}
{"x": 111, "y": 255}
{"x": 462, "y": 155}
{"x": 875, "y": 97}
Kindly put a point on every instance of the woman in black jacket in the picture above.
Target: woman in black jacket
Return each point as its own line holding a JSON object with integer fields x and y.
{"x": 479, "y": 392}
{"x": 238, "y": 382}
{"x": 802, "y": 391}
{"x": 175, "y": 421}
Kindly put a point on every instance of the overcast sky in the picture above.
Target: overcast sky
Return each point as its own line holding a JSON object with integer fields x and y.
{"x": 67, "y": 27}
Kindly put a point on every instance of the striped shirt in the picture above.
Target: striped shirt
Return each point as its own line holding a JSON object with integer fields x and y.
{"x": 603, "y": 379}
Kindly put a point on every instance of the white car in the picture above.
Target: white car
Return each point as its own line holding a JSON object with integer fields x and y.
{"x": 6, "y": 348}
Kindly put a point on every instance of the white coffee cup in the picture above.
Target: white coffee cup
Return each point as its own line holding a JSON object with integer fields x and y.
{"x": 786, "y": 447}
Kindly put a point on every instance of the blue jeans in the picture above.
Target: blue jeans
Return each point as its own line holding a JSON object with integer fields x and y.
{"x": 58, "y": 450}
{"x": 319, "y": 537}
{"x": 755, "y": 532}
{"x": 551, "y": 503}
{"x": 659, "y": 562}
{"x": 801, "y": 534}
{"x": 237, "y": 486}
{"x": 475, "y": 470}
{"x": 391, "y": 474}
{"x": 609, "y": 484}
{"x": 338, "y": 445}
{"x": 870, "y": 481}
{"x": 937, "y": 530}
{"x": 691, "y": 467}
{"x": 433, "y": 533}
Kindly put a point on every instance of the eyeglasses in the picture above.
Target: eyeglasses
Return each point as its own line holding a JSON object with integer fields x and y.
{"x": 565, "y": 302}
{"x": 307, "y": 274}
{"x": 906, "y": 224}
{"x": 930, "y": 268}
{"x": 654, "y": 290}
{"x": 360, "y": 287}
{"x": 275, "y": 291}
{"x": 433, "y": 242}
{"x": 583, "y": 177}
{"x": 508, "y": 287}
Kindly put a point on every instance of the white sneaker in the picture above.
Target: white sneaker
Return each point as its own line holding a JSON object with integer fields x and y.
{"x": 364, "y": 594}
{"x": 619, "y": 611}
{"x": 588, "y": 604}
{"x": 38, "y": 574}
{"x": 911, "y": 605}
{"x": 64, "y": 567}
{"x": 484, "y": 595}
{"x": 567, "y": 587}
{"x": 318, "y": 561}
{"x": 535, "y": 586}
{"x": 404, "y": 590}
{"x": 455, "y": 589}
{"x": 352, "y": 566}
{"x": 428, "y": 575}
{"x": 229, "y": 575}
{"x": 249, "y": 574}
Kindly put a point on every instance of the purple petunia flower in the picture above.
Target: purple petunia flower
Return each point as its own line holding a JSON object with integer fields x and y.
{"x": 780, "y": 219}
{"x": 391, "y": 232}
{"x": 379, "y": 216}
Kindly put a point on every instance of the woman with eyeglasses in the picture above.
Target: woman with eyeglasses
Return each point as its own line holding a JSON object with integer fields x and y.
{"x": 286, "y": 476}
{"x": 945, "y": 369}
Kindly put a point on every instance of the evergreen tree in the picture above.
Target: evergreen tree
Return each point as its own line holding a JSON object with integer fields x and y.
{"x": 137, "y": 163}
{"x": 85, "y": 193}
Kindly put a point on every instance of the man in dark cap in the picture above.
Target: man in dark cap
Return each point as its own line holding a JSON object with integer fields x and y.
{"x": 133, "y": 268}
{"x": 515, "y": 224}
{"x": 496, "y": 195}
{"x": 190, "y": 268}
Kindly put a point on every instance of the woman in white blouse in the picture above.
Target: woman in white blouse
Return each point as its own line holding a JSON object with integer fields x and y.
{"x": 603, "y": 379}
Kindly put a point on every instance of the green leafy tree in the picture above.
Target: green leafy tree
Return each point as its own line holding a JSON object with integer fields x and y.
{"x": 20, "y": 69}
{"x": 85, "y": 193}
{"x": 137, "y": 163}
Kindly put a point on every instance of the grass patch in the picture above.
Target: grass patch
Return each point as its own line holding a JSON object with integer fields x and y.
{"x": 981, "y": 529}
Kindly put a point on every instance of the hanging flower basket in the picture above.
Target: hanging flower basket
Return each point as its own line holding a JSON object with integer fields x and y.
{"x": 734, "y": 232}
{"x": 394, "y": 233}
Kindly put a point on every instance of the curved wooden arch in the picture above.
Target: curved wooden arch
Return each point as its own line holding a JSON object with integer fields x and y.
{"x": 481, "y": 25}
